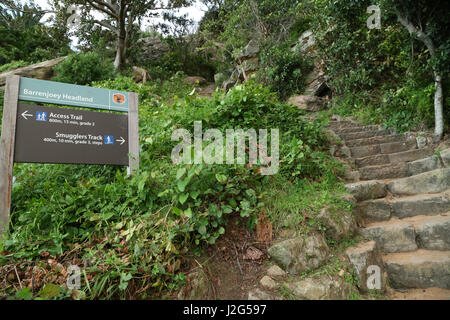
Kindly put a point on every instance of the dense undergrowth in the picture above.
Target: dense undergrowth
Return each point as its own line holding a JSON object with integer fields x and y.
{"x": 131, "y": 235}
{"x": 385, "y": 75}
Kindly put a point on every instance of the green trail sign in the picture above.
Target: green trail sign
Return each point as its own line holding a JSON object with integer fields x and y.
{"x": 40, "y": 134}
{"x": 72, "y": 95}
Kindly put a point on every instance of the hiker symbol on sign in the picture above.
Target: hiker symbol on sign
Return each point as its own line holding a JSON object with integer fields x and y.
{"x": 41, "y": 116}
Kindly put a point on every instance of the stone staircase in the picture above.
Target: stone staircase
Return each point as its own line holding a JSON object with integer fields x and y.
{"x": 403, "y": 196}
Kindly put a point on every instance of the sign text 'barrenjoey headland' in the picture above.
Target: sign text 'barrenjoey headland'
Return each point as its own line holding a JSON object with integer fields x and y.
{"x": 72, "y": 95}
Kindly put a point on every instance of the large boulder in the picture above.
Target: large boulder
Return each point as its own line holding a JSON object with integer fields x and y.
{"x": 42, "y": 71}
{"x": 308, "y": 103}
{"x": 153, "y": 48}
{"x": 299, "y": 254}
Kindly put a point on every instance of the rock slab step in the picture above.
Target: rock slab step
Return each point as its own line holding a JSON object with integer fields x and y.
{"x": 382, "y": 209}
{"x": 397, "y": 236}
{"x": 366, "y": 190}
{"x": 418, "y": 269}
{"x": 429, "y": 182}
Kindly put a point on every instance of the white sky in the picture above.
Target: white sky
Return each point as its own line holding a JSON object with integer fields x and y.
{"x": 194, "y": 12}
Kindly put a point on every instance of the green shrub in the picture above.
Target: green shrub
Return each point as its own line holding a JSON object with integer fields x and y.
{"x": 13, "y": 65}
{"x": 283, "y": 69}
{"x": 83, "y": 69}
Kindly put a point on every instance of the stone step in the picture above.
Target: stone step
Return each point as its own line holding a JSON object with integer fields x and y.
{"x": 378, "y": 159}
{"x": 341, "y": 125}
{"x": 426, "y": 232}
{"x": 404, "y": 156}
{"x": 411, "y": 155}
{"x": 429, "y": 182}
{"x": 418, "y": 269}
{"x": 392, "y": 236}
{"x": 424, "y": 165}
{"x": 433, "y": 233}
{"x": 383, "y": 209}
{"x": 376, "y": 140}
{"x": 421, "y": 294}
{"x": 366, "y": 190}
{"x": 384, "y": 171}
{"x": 357, "y": 129}
{"x": 364, "y": 134}
{"x": 385, "y": 148}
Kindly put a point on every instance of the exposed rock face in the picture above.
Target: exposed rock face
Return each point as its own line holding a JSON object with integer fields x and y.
{"x": 322, "y": 288}
{"x": 308, "y": 103}
{"x": 153, "y": 48}
{"x": 250, "y": 51}
{"x": 298, "y": 254}
{"x": 339, "y": 224}
{"x": 316, "y": 82}
{"x": 362, "y": 257}
{"x": 247, "y": 63}
{"x": 305, "y": 41}
{"x": 42, "y": 71}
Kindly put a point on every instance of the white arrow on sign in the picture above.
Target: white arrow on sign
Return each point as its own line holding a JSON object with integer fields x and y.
{"x": 25, "y": 115}
{"x": 122, "y": 141}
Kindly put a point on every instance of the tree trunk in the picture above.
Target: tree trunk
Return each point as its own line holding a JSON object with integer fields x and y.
{"x": 438, "y": 95}
{"x": 438, "y": 108}
{"x": 122, "y": 35}
{"x": 120, "y": 50}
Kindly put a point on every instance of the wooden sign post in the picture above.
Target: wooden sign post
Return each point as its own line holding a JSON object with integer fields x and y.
{"x": 37, "y": 134}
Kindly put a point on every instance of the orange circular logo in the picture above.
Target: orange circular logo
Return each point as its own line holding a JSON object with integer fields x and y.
{"x": 119, "y": 98}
